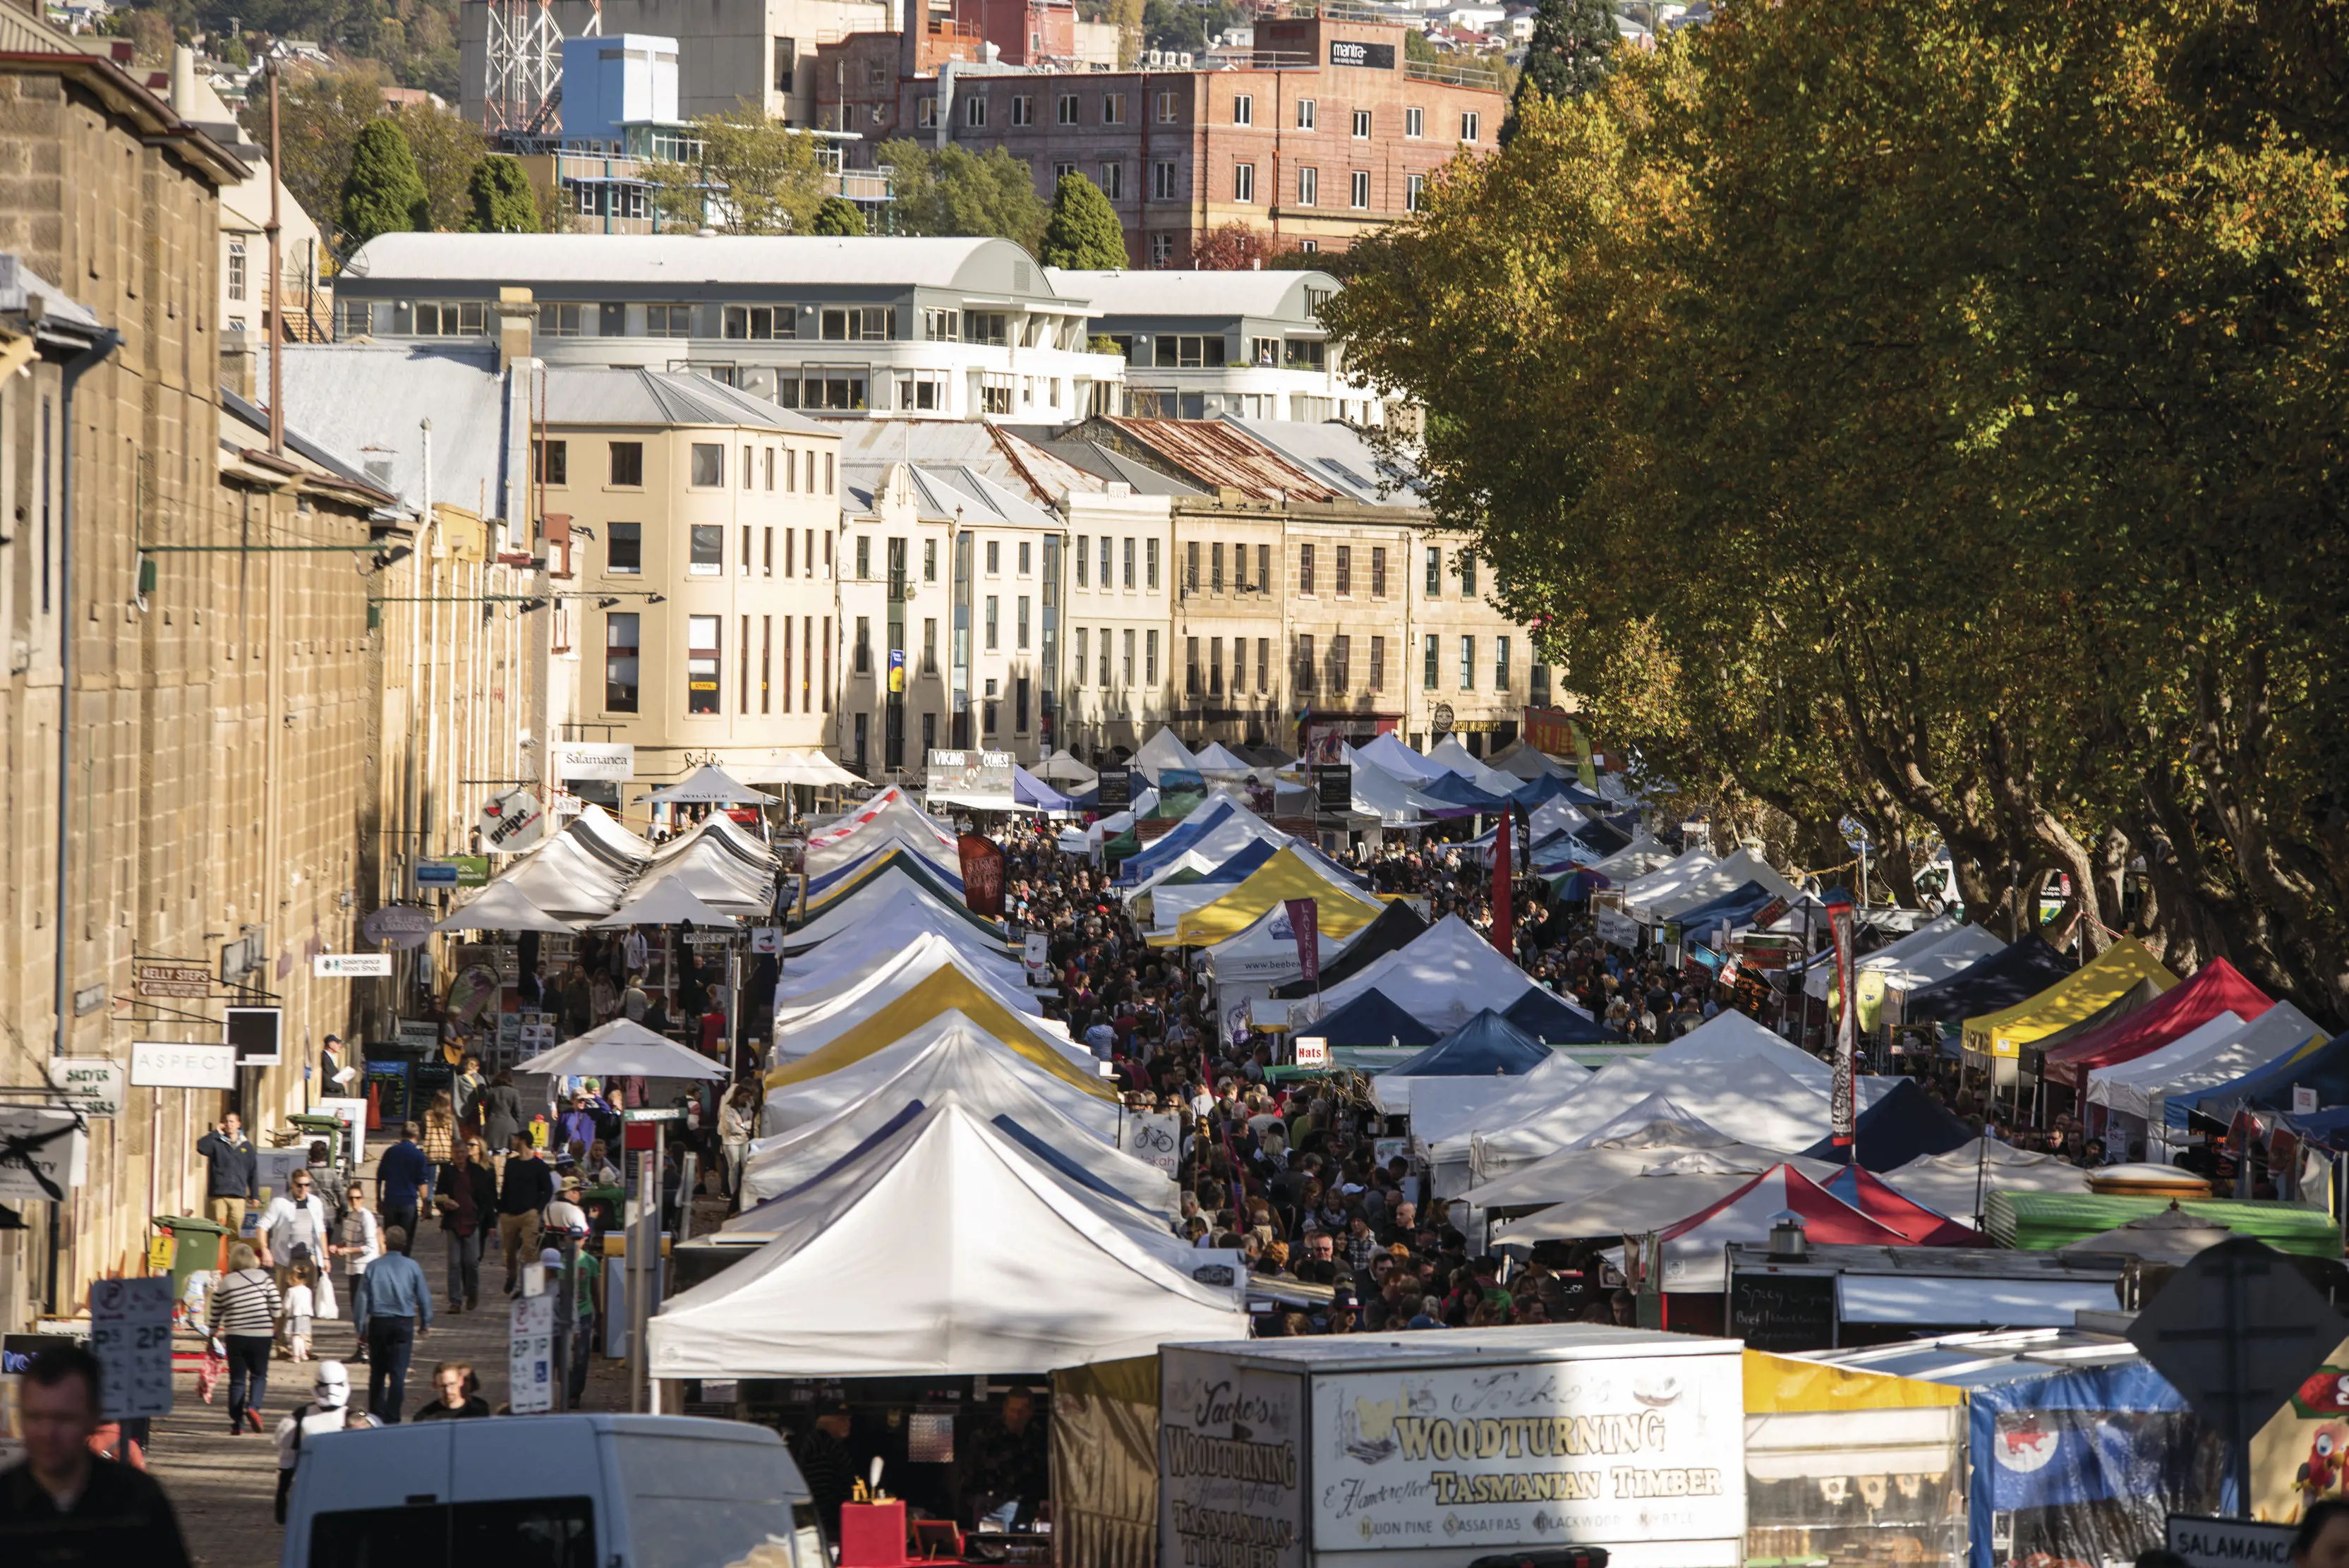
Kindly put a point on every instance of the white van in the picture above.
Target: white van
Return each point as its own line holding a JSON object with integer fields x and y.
{"x": 549, "y": 1491}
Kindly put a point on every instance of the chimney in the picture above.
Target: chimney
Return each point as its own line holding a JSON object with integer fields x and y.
{"x": 517, "y": 318}
{"x": 184, "y": 82}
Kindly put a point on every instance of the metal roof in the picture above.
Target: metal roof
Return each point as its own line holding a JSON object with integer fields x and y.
{"x": 1217, "y": 294}
{"x": 368, "y": 399}
{"x": 1017, "y": 463}
{"x": 1102, "y": 463}
{"x": 1223, "y": 456}
{"x": 1339, "y": 454}
{"x": 637, "y": 395}
{"x": 644, "y": 263}
{"x": 949, "y": 493}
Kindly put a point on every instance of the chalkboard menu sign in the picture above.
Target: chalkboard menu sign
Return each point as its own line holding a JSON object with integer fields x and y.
{"x": 1116, "y": 788}
{"x": 1783, "y": 1312}
{"x": 1335, "y": 784}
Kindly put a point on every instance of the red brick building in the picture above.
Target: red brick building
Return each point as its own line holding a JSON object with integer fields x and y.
{"x": 1321, "y": 132}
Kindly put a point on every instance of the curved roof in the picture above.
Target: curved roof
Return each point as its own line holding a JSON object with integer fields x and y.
{"x": 691, "y": 261}
{"x": 1128, "y": 292}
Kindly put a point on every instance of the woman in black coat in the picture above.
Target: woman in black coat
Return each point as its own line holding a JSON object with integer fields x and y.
{"x": 499, "y": 1109}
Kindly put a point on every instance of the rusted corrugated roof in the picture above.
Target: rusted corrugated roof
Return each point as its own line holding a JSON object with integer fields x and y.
{"x": 1221, "y": 456}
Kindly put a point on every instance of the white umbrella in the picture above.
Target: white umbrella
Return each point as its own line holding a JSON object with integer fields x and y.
{"x": 666, "y": 901}
{"x": 503, "y": 907}
{"x": 1063, "y": 767}
{"x": 622, "y": 1049}
{"x": 710, "y": 786}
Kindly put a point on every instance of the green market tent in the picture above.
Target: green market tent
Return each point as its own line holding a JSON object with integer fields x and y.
{"x": 2043, "y": 1222}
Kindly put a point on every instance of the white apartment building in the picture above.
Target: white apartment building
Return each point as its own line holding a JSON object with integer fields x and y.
{"x": 1246, "y": 344}
{"x": 838, "y": 329}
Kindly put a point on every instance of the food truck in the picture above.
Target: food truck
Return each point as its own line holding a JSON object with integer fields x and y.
{"x": 1430, "y": 1450}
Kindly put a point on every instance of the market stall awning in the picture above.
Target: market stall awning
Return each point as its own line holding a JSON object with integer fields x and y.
{"x": 1396, "y": 926}
{"x": 2021, "y": 968}
{"x": 1446, "y": 975}
{"x": 809, "y": 769}
{"x": 666, "y": 901}
{"x": 709, "y": 785}
{"x": 1902, "y": 1126}
{"x": 943, "y": 990}
{"x": 1286, "y": 876}
{"x": 622, "y": 1049}
{"x": 2103, "y": 979}
{"x": 2217, "y": 987}
{"x": 503, "y": 907}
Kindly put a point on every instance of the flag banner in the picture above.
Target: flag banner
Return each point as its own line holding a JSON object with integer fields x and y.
{"x": 1504, "y": 918}
{"x": 1305, "y": 924}
{"x": 1843, "y": 1108}
{"x": 982, "y": 875}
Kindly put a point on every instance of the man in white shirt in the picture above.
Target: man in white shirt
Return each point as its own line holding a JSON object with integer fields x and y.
{"x": 293, "y": 1226}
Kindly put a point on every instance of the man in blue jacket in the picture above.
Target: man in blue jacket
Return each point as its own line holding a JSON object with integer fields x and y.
{"x": 231, "y": 1178}
{"x": 391, "y": 1313}
{"x": 401, "y": 1174}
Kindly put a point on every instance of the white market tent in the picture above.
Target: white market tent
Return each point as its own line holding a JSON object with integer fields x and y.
{"x": 1654, "y": 1129}
{"x": 1394, "y": 801}
{"x": 503, "y": 907}
{"x": 711, "y": 867}
{"x": 709, "y": 785}
{"x": 1934, "y": 951}
{"x": 1667, "y": 879}
{"x": 1748, "y": 1097}
{"x": 1522, "y": 759}
{"x": 1262, "y": 956}
{"x": 1946, "y": 1183}
{"x": 896, "y": 904}
{"x": 565, "y": 878}
{"x": 622, "y": 1049}
{"x": 1452, "y": 757}
{"x": 1168, "y": 905}
{"x": 2122, "y": 1087}
{"x": 1659, "y": 1193}
{"x": 836, "y": 968}
{"x": 809, "y": 769}
{"x": 912, "y": 1000}
{"x": 667, "y": 900}
{"x": 2279, "y": 1031}
{"x": 1443, "y": 1109}
{"x": 596, "y": 823}
{"x": 1063, "y": 768}
{"x": 1556, "y": 814}
{"x": 945, "y": 1250}
{"x": 1725, "y": 877}
{"x": 800, "y": 1018}
{"x": 1389, "y": 755}
{"x": 1634, "y": 860}
{"x": 1161, "y": 751}
{"x": 1444, "y": 977}
{"x": 1215, "y": 757}
{"x": 822, "y": 1122}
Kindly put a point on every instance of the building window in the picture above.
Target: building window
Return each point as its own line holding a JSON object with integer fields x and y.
{"x": 1304, "y": 114}
{"x": 624, "y": 550}
{"x": 1307, "y": 354}
{"x": 1190, "y": 666}
{"x": 1341, "y": 656}
{"x": 1243, "y": 109}
{"x": 1191, "y": 566}
{"x": 992, "y": 328}
{"x": 974, "y": 111}
{"x": 1414, "y": 193}
{"x": 994, "y": 635}
{"x": 1150, "y": 658}
{"x": 1263, "y": 567}
{"x": 1301, "y": 674}
{"x": 628, "y": 463}
{"x": 1468, "y": 664}
{"x": 1433, "y": 655}
{"x": 942, "y": 326}
{"x": 1345, "y": 570}
{"x": 1113, "y": 109}
{"x": 551, "y": 462}
{"x": 1162, "y": 249}
{"x": 746, "y": 484}
{"x": 1150, "y": 564}
{"x": 1021, "y": 622}
{"x": 863, "y": 665}
{"x": 668, "y": 321}
{"x": 994, "y": 558}
{"x": 709, "y": 550}
{"x": 1165, "y": 183}
{"x": 1361, "y": 188}
{"x": 1068, "y": 108}
{"x": 563, "y": 320}
{"x": 1501, "y": 665}
{"x": 1468, "y": 120}
{"x": 1019, "y": 704}
{"x": 450, "y": 318}
{"x": 1129, "y": 563}
{"x": 1166, "y": 110}
{"x": 1105, "y": 562}
{"x": 925, "y": 114}
{"x": 1308, "y": 186}
{"x": 701, "y": 656}
{"x": 708, "y": 464}
{"x": 760, "y": 322}
{"x": 1112, "y": 182}
{"x": 1378, "y": 571}
{"x": 1435, "y": 572}
{"x": 1023, "y": 110}
{"x": 1415, "y": 123}
{"x": 1214, "y": 566}
{"x": 1025, "y": 559}
{"x": 863, "y": 556}
{"x": 1378, "y": 664}
{"x": 236, "y": 269}
{"x": 1537, "y": 686}
{"x": 929, "y": 645}
{"x": 1083, "y": 672}
{"x": 1304, "y": 568}
{"x": 767, "y": 568}
{"x": 873, "y": 324}
{"x": 1174, "y": 352}
{"x": 354, "y": 317}
{"x": 1104, "y": 655}
{"x": 1467, "y": 575}
{"x": 1242, "y": 182}
{"x": 1127, "y": 666}
{"x": 1361, "y": 125}
{"x": 620, "y": 634}
{"x": 929, "y": 560}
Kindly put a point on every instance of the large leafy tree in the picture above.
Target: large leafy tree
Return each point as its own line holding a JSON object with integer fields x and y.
{"x": 1083, "y": 231}
{"x": 503, "y": 203}
{"x": 839, "y": 216}
{"x": 1920, "y": 415}
{"x": 753, "y": 176}
{"x": 383, "y": 194}
{"x": 953, "y": 191}
{"x": 1567, "y": 55}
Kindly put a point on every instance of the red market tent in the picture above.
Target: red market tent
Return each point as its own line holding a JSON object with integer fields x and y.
{"x": 1692, "y": 1248}
{"x": 2219, "y": 987}
{"x": 1872, "y": 1196}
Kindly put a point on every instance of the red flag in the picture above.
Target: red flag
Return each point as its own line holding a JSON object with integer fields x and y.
{"x": 1305, "y": 924}
{"x": 982, "y": 875}
{"x": 1504, "y": 918}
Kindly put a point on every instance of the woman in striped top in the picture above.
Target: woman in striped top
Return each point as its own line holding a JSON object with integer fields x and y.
{"x": 245, "y": 1308}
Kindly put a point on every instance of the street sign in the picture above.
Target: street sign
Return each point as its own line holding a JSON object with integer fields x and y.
{"x": 399, "y": 925}
{"x": 48, "y": 1153}
{"x": 257, "y": 1035}
{"x": 2206, "y": 1542}
{"x": 92, "y": 1085}
{"x": 610, "y": 761}
{"x": 512, "y": 822}
{"x": 179, "y": 1065}
{"x": 1116, "y": 789}
{"x": 131, "y": 1334}
{"x": 350, "y": 966}
{"x": 664, "y": 1114}
{"x": 529, "y": 1387}
{"x": 2303, "y": 1100}
{"x": 152, "y": 978}
{"x": 436, "y": 874}
{"x": 2237, "y": 1331}
{"x": 766, "y": 938}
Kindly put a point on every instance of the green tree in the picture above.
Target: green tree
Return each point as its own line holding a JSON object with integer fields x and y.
{"x": 320, "y": 114}
{"x": 1566, "y": 56}
{"x": 447, "y": 148}
{"x": 503, "y": 202}
{"x": 383, "y": 194}
{"x": 754, "y": 176}
{"x": 1083, "y": 231}
{"x": 838, "y": 215}
{"x": 953, "y": 191}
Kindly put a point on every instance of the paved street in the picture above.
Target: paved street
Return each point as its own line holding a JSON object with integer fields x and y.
{"x": 225, "y": 1486}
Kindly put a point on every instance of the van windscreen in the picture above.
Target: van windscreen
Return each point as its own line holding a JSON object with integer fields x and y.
{"x": 510, "y": 1533}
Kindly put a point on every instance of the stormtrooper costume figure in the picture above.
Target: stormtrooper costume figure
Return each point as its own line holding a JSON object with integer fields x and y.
{"x": 329, "y": 1410}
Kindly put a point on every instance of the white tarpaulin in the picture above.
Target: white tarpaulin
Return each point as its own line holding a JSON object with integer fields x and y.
{"x": 2121, "y": 1088}
{"x": 899, "y": 906}
{"x": 945, "y": 1252}
{"x": 914, "y": 998}
{"x": 1391, "y": 756}
{"x": 2279, "y": 1031}
{"x": 897, "y": 971}
{"x": 837, "y": 967}
{"x": 1655, "y": 1194}
{"x": 1667, "y": 880}
{"x": 1650, "y": 1132}
{"x": 1948, "y": 1183}
{"x": 565, "y": 878}
{"x": 933, "y": 1053}
{"x": 1161, "y": 751}
{"x": 1444, "y": 977}
{"x": 622, "y": 1049}
{"x": 500, "y": 907}
{"x": 1634, "y": 860}
{"x": 1930, "y": 1301}
{"x": 1443, "y": 1109}
{"x": 1747, "y": 1097}
{"x": 1265, "y": 954}
{"x": 1452, "y": 757}
{"x": 666, "y": 901}
{"x": 1894, "y": 957}
{"x": 1711, "y": 883}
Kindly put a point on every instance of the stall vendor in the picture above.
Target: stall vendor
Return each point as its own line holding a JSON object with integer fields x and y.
{"x": 1010, "y": 1470}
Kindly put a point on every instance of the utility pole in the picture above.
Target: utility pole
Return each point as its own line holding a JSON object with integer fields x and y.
{"x": 276, "y": 286}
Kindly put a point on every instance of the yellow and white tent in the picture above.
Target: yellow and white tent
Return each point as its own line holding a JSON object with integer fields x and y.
{"x": 2085, "y": 991}
{"x": 1287, "y": 875}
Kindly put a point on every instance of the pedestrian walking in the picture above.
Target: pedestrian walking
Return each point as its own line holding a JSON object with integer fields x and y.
{"x": 469, "y": 1083}
{"x": 467, "y": 1196}
{"x": 524, "y": 1190}
{"x": 500, "y": 1114}
{"x": 230, "y": 1173}
{"x": 362, "y": 1243}
{"x": 329, "y": 1410}
{"x": 737, "y": 1120}
{"x": 294, "y": 1228}
{"x": 245, "y": 1307}
{"x": 453, "y": 1395}
{"x": 64, "y": 1506}
{"x": 403, "y": 1173}
{"x": 395, "y": 1311}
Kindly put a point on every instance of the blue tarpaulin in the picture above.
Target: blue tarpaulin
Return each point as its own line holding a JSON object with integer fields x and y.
{"x": 1904, "y": 1123}
{"x": 1999, "y": 979}
{"x": 1028, "y": 790}
{"x": 1547, "y": 1019}
{"x": 1158, "y": 854}
{"x": 2325, "y": 1069}
{"x": 1486, "y": 1045}
{"x": 1371, "y": 1019}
